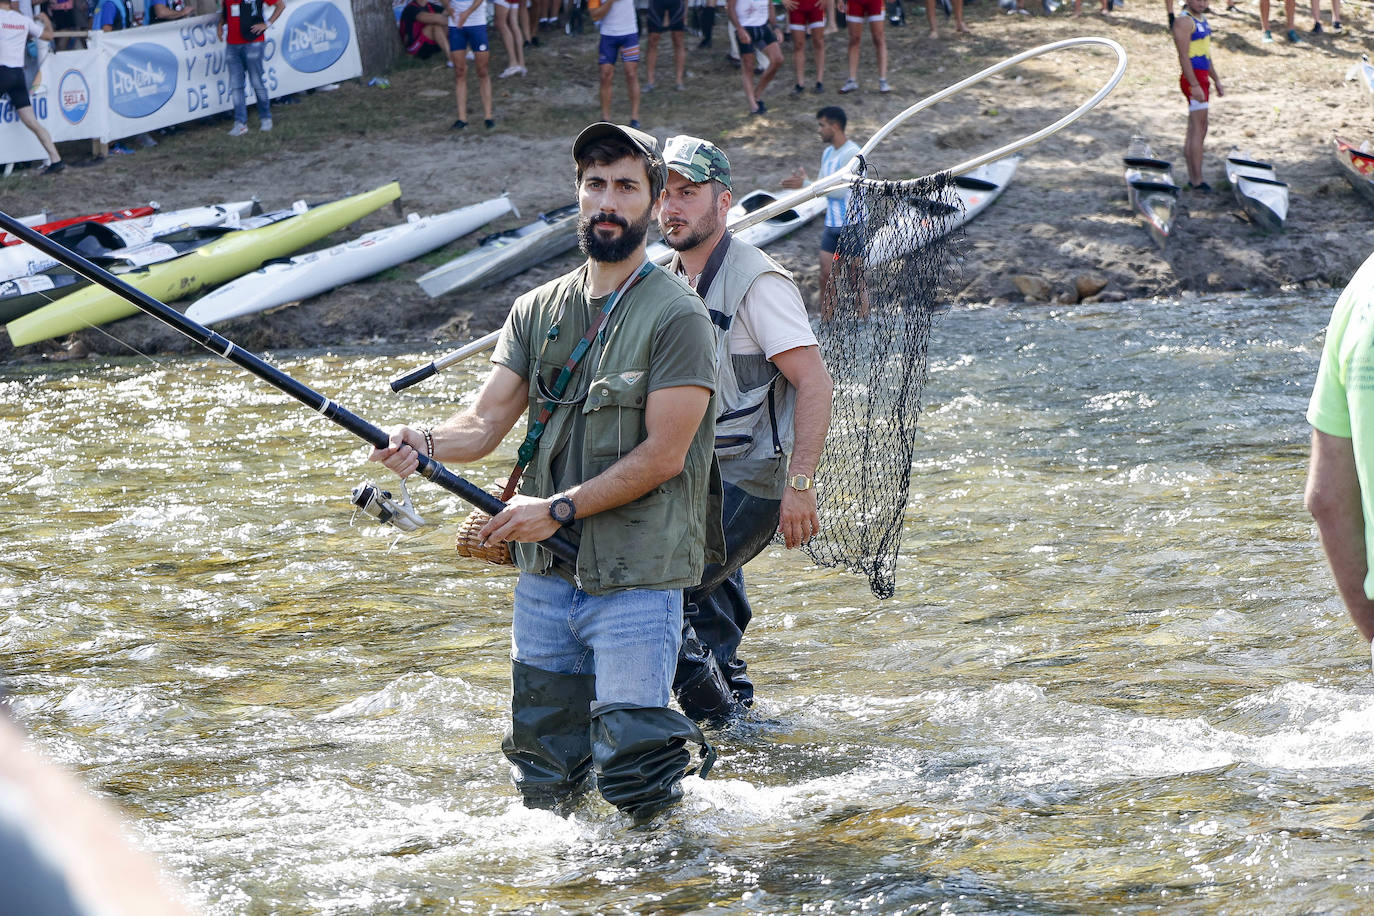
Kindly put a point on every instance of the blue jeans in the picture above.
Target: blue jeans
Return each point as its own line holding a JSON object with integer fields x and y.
{"x": 629, "y": 639}
{"x": 247, "y": 59}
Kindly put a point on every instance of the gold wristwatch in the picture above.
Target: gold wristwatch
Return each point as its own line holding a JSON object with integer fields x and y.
{"x": 800, "y": 482}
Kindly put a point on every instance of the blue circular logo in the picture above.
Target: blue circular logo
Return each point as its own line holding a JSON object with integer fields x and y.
{"x": 73, "y": 96}
{"x": 316, "y": 36}
{"x": 141, "y": 79}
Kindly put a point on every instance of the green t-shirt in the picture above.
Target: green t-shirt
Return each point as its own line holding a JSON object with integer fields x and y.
{"x": 1343, "y": 398}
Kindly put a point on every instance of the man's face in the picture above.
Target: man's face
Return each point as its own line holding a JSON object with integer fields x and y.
{"x": 614, "y": 203}
{"x": 690, "y": 213}
{"x": 827, "y": 129}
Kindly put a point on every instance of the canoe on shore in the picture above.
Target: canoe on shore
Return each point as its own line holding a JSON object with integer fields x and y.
{"x": 1258, "y": 190}
{"x": 1151, "y": 189}
{"x": 107, "y": 217}
{"x": 1357, "y": 166}
{"x": 964, "y": 199}
{"x": 279, "y": 282}
{"x": 506, "y": 254}
{"x": 210, "y": 265}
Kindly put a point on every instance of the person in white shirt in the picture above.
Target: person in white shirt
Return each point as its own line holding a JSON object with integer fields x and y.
{"x": 619, "y": 39}
{"x": 831, "y": 122}
{"x": 773, "y": 413}
{"x": 755, "y": 35}
{"x": 15, "y": 31}
{"x": 467, "y": 31}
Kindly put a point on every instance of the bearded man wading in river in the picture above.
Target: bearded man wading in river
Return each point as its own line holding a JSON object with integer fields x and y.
{"x": 624, "y": 463}
{"x": 774, "y": 411}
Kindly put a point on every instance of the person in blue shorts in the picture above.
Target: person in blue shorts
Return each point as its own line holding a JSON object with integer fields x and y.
{"x": 467, "y": 31}
{"x": 619, "y": 40}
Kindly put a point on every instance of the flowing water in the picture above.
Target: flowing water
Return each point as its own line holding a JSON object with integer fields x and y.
{"x": 1115, "y": 676}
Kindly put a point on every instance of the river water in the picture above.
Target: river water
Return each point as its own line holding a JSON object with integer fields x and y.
{"x": 1114, "y": 678}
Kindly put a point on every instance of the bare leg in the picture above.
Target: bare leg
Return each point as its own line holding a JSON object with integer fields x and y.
{"x": 827, "y": 293}
{"x": 27, "y": 118}
{"x": 1192, "y": 144}
{"x": 799, "y": 55}
{"x": 650, "y": 58}
{"x": 746, "y": 75}
{"x": 483, "y": 61}
{"x": 818, "y": 47}
{"x": 856, "y": 34}
{"x": 607, "y": 75}
{"x": 1264, "y": 15}
{"x": 632, "y": 84}
{"x": 680, "y": 58}
{"x": 930, "y": 17}
{"x": 460, "y": 81}
{"x": 959, "y": 17}
{"x": 774, "y": 54}
{"x": 880, "y": 46}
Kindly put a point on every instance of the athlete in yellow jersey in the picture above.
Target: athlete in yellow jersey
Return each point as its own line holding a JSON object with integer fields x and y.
{"x": 1193, "y": 38}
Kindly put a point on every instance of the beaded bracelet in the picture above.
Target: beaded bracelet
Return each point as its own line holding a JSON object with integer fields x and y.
{"x": 429, "y": 441}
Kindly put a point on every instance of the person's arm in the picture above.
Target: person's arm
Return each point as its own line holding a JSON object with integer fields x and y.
{"x": 1333, "y": 498}
{"x": 277, "y": 9}
{"x": 796, "y": 180}
{"x": 466, "y": 436}
{"x": 671, "y": 418}
{"x": 600, "y": 12}
{"x": 731, "y": 12}
{"x": 804, "y": 369}
{"x": 1183, "y": 36}
{"x": 1216, "y": 77}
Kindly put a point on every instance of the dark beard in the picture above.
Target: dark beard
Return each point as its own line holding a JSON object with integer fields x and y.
{"x": 617, "y": 249}
{"x": 695, "y": 235}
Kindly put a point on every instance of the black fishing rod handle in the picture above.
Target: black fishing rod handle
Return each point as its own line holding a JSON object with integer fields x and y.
{"x": 558, "y": 544}
{"x": 419, "y": 375}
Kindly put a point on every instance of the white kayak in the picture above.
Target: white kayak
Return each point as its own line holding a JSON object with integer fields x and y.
{"x": 291, "y": 280}
{"x": 93, "y": 239}
{"x": 760, "y": 235}
{"x": 964, "y": 199}
{"x": 1364, "y": 72}
{"x": 1151, "y": 189}
{"x": 1258, "y": 190}
{"x": 504, "y": 255}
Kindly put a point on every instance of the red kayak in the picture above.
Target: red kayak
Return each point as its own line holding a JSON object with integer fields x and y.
{"x": 45, "y": 228}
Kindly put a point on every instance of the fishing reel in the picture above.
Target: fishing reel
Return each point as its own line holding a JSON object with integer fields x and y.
{"x": 386, "y": 508}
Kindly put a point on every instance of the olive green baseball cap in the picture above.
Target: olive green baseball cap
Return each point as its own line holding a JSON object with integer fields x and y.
{"x": 645, "y": 143}
{"x": 696, "y": 160}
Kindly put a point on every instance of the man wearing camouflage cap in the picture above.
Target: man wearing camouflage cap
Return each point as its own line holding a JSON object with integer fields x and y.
{"x": 773, "y": 413}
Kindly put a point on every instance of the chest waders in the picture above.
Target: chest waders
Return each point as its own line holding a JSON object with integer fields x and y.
{"x": 638, "y": 754}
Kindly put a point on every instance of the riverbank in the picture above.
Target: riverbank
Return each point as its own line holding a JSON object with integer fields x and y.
{"x": 1064, "y": 217}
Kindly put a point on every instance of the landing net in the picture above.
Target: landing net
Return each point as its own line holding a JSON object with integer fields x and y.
{"x": 874, "y": 336}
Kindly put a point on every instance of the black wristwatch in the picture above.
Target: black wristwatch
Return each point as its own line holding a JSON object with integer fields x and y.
{"x": 563, "y": 510}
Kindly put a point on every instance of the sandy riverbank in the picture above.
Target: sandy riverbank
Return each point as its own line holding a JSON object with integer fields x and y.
{"x": 1065, "y": 215}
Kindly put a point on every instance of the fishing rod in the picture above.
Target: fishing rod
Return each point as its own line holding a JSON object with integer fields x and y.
{"x": 375, "y": 436}
{"x": 849, "y": 175}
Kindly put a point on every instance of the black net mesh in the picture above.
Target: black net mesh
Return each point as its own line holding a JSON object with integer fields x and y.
{"x": 877, "y": 312}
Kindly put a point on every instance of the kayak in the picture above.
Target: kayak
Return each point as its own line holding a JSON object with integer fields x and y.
{"x": 1258, "y": 191}
{"x": 93, "y": 238}
{"x": 1357, "y": 165}
{"x": 46, "y": 228}
{"x": 279, "y": 282}
{"x": 761, "y": 234}
{"x": 966, "y": 197}
{"x": 504, "y": 255}
{"x": 21, "y": 295}
{"x": 1151, "y": 189}
{"x": 1364, "y": 70}
{"x": 221, "y": 260}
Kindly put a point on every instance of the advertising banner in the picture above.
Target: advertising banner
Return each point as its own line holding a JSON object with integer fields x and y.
{"x": 132, "y": 81}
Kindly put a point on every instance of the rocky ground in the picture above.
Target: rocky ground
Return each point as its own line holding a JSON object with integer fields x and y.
{"x": 1061, "y": 230}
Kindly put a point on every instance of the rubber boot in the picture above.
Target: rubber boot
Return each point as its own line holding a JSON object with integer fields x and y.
{"x": 549, "y": 741}
{"x": 640, "y": 754}
{"x": 701, "y": 687}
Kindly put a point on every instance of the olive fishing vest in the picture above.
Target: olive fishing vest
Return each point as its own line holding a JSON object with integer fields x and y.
{"x": 756, "y": 403}
{"x": 664, "y": 538}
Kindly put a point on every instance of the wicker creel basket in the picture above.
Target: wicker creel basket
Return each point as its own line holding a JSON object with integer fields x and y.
{"x": 468, "y": 544}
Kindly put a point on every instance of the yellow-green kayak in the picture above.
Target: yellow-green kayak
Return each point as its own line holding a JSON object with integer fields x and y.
{"x": 218, "y": 262}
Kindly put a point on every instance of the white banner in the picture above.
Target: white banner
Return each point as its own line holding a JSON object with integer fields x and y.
{"x": 136, "y": 80}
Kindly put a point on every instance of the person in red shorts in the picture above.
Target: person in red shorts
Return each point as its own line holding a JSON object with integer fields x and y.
{"x": 856, "y": 14}
{"x": 807, "y": 18}
{"x": 1193, "y": 39}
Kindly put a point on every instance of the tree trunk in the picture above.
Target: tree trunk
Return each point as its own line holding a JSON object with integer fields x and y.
{"x": 378, "y": 43}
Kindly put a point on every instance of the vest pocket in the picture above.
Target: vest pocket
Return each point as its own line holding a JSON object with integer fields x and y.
{"x": 615, "y": 413}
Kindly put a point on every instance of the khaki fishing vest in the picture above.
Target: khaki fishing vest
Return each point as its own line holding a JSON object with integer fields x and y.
{"x": 756, "y": 403}
{"x": 664, "y": 538}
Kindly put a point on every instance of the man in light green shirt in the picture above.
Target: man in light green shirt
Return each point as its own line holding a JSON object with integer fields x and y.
{"x": 1340, "y": 491}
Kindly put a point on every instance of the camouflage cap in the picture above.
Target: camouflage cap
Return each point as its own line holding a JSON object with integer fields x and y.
{"x": 696, "y": 159}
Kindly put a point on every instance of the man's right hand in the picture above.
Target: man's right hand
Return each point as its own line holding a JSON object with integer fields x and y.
{"x": 402, "y": 454}
{"x": 796, "y": 179}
